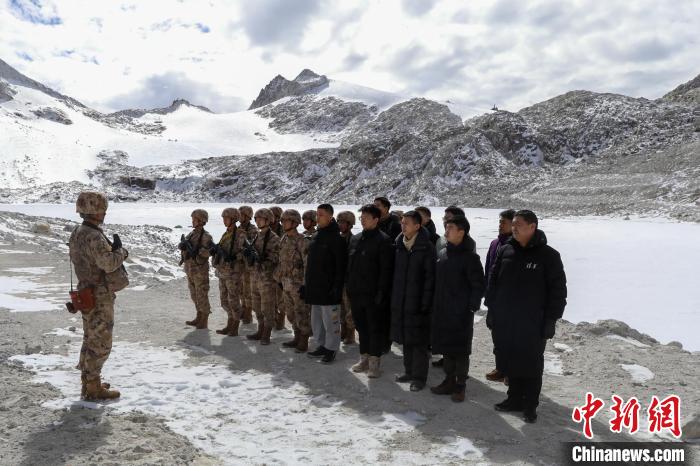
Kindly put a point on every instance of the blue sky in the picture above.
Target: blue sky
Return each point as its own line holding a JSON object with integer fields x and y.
{"x": 115, "y": 54}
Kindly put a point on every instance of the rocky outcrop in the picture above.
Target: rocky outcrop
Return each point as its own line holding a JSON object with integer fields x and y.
{"x": 138, "y": 113}
{"x": 281, "y": 87}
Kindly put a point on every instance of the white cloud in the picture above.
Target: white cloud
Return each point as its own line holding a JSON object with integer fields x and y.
{"x": 476, "y": 53}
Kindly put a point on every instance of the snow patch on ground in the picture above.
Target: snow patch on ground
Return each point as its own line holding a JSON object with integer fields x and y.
{"x": 629, "y": 340}
{"x": 640, "y": 374}
{"x": 267, "y": 414}
{"x": 552, "y": 364}
{"x": 16, "y": 295}
{"x": 563, "y": 347}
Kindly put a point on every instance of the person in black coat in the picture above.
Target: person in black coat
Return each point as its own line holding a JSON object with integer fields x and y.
{"x": 526, "y": 295}
{"x": 459, "y": 287}
{"x": 370, "y": 264}
{"x": 323, "y": 283}
{"x": 427, "y": 222}
{"x": 412, "y": 298}
{"x": 389, "y": 223}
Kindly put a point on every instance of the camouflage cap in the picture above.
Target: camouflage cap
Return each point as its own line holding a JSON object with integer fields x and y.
{"x": 276, "y": 211}
{"x": 231, "y": 212}
{"x": 346, "y": 216}
{"x": 292, "y": 215}
{"x": 310, "y": 215}
{"x": 246, "y": 210}
{"x": 265, "y": 213}
{"x": 201, "y": 214}
{"x": 91, "y": 203}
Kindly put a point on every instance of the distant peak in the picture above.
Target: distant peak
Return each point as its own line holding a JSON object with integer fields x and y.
{"x": 281, "y": 87}
{"x": 307, "y": 75}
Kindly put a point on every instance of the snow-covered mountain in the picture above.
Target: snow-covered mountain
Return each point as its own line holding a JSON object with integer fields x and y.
{"x": 314, "y": 138}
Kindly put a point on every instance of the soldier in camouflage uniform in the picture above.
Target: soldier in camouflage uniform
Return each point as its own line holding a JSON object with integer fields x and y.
{"x": 276, "y": 227}
{"x": 227, "y": 259}
{"x": 265, "y": 257}
{"x": 346, "y": 220}
{"x": 250, "y": 230}
{"x": 94, "y": 259}
{"x": 194, "y": 252}
{"x": 309, "y": 223}
{"x": 290, "y": 273}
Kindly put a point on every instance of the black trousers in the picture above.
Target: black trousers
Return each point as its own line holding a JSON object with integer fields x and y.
{"x": 416, "y": 359}
{"x": 526, "y": 389}
{"x": 369, "y": 323}
{"x": 457, "y": 365}
{"x": 499, "y": 366}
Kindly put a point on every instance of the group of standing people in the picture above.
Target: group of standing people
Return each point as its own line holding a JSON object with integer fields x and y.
{"x": 395, "y": 281}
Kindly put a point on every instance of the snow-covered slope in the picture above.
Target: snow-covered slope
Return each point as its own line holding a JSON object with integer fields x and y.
{"x": 47, "y": 137}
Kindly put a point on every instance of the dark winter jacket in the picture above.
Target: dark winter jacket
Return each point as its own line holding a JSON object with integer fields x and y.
{"x": 325, "y": 267}
{"x": 459, "y": 287}
{"x": 491, "y": 255}
{"x": 469, "y": 243}
{"x": 370, "y": 265}
{"x": 527, "y": 286}
{"x": 432, "y": 232}
{"x": 412, "y": 291}
{"x": 391, "y": 226}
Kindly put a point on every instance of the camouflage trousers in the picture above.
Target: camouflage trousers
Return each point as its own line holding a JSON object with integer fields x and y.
{"x": 230, "y": 295}
{"x": 264, "y": 298}
{"x": 198, "y": 283}
{"x": 97, "y": 335}
{"x": 346, "y": 311}
{"x": 247, "y": 293}
{"x": 297, "y": 311}
{"x": 279, "y": 305}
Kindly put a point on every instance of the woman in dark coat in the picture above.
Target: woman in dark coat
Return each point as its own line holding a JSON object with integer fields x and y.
{"x": 412, "y": 298}
{"x": 459, "y": 287}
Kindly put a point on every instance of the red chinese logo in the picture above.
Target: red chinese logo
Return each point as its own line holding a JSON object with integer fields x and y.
{"x": 587, "y": 412}
{"x": 662, "y": 414}
{"x": 665, "y": 414}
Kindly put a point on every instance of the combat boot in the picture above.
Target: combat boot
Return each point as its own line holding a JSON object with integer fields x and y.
{"x": 83, "y": 386}
{"x": 292, "y": 343}
{"x": 279, "y": 321}
{"x": 203, "y": 321}
{"x": 373, "y": 367}
{"x": 265, "y": 337}
{"x": 258, "y": 334}
{"x": 96, "y": 391}
{"x": 303, "y": 345}
{"x": 233, "y": 331}
{"x": 362, "y": 365}
{"x": 247, "y": 317}
{"x": 194, "y": 321}
{"x": 447, "y": 387}
{"x": 225, "y": 330}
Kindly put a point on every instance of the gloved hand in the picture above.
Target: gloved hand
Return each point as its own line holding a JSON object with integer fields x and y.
{"x": 280, "y": 285}
{"x": 213, "y": 249}
{"x": 116, "y": 243}
{"x": 489, "y": 320}
{"x": 549, "y": 328}
{"x": 302, "y": 292}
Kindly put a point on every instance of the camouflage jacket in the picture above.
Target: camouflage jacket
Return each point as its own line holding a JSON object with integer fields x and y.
{"x": 290, "y": 271}
{"x": 200, "y": 240}
{"x": 309, "y": 233}
{"x": 229, "y": 260}
{"x": 249, "y": 229}
{"x": 92, "y": 256}
{"x": 268, "y": 252}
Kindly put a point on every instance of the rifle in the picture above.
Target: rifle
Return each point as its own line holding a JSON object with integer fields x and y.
{"x": 186, "y": 246}
{"x": 250, "y": 253}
